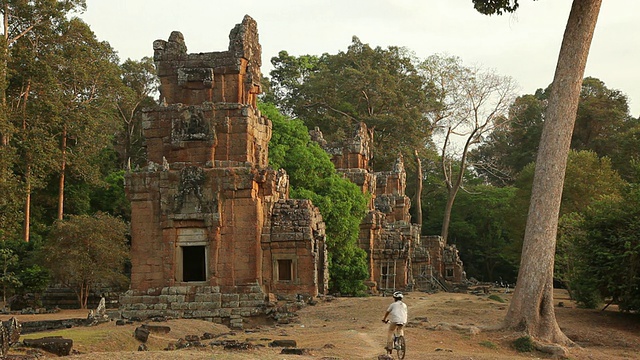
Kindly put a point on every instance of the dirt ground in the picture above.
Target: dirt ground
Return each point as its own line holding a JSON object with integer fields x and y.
{"x": 351, "y": 328}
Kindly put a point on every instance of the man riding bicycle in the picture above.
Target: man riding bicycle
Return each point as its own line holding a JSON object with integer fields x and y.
{"x": 397, "y": 314}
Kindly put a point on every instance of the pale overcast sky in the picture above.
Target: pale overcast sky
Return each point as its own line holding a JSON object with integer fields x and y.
{"x": 523, "y": 45}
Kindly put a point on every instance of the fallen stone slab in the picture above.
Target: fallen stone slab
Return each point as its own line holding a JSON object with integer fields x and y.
{"x": 283, "y": 343}
{"x": 55, "y": 345}
{"x": 29, "y": 327}
{"x": 295, "y": 351}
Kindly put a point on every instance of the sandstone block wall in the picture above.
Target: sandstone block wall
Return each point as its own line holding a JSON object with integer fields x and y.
{"x": 297, "y": 237}
{"x": 199, "y": 302}
{"x": 205, "y": 133}
{"x": 396, "y": 255}
{"x": 213, "y": 230}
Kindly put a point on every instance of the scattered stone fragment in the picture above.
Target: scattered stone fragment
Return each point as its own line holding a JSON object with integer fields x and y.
{"x": 239, "y": 346}
{"x": 295, "y": 351}
{"x": 192, "y": 338}
{"x": 141, "y": 334}
{"x": 283, "y": 343}
{"x": 143, "y": 347}
{"x": 55, "y": 345}
{"x": 446, "y": 350}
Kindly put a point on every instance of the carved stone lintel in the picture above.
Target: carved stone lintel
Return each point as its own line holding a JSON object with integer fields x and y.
{"x": 198, "y": 78}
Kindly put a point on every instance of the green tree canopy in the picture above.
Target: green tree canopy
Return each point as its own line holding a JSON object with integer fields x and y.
{"x": 603, "y": 125}
{"x": 380, "y": 87}
{"x": 480, "y": 230}
{"x": 607, "y": 259}
{"x": 589, "y": 178}
{"x": 509, "y": 148}
{"x": 341, "y": 203}
{"x": 87, "y": 253}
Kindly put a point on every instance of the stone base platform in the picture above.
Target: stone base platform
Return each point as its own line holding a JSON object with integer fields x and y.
{"x": 211, "y": 303}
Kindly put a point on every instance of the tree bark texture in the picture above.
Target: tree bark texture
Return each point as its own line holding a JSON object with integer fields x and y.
{"x": 531, "y": 308}
{"x": 418, "y": 197}
{"x": 63, "y": 166}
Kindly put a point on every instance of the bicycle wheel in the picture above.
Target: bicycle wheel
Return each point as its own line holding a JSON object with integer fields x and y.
{"x": 401, "y": 347}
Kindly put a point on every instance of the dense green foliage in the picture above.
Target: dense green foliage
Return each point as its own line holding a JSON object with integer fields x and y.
{"x": 380, "y": 87}
{"x": 88, "y": 252}
{"x": 341, "y": 203}
{"x": 59, "y": 87}
{"x": 606, "y": 265}
{"x": 485, "y": 237}
{"x": 603, "y": 125}
{"x": 59, "y": 83}
{"x": 29, "y": 275}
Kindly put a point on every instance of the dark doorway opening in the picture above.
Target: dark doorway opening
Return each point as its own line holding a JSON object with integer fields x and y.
{"x": 285, "y": 270}
{"x": 194, "y": 263}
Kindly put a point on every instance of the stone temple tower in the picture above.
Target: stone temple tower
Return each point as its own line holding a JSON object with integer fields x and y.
{"x": 213, "y": 230}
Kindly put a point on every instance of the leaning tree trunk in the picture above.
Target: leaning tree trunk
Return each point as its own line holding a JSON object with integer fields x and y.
{"x": 531, "y": 308}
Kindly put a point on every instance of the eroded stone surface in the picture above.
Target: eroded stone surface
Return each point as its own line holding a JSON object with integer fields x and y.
{"x": 398, "y": 257}
{"x": 213, "y": 229}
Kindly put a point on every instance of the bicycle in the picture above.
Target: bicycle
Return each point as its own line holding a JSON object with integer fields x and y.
{"x": 399, "y": 344}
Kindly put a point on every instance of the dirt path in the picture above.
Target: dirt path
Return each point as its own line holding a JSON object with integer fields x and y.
{"x": 350, "y": 328}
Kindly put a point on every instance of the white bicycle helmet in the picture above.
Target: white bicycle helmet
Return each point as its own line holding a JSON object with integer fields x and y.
{"x": 398, "y": 295}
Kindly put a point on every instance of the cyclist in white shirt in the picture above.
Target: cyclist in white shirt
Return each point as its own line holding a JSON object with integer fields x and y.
{"x": 397, "y": 314}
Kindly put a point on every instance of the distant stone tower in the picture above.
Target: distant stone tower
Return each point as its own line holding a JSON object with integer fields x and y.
{"x": 397, "y": 256}
{"x": 213, "y": 231}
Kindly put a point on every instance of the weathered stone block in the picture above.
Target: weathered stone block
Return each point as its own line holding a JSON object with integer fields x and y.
{"x": 54, "y": 345}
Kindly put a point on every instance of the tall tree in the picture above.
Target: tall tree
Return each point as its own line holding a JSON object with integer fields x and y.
{"x": 473, "y": 102}
{"x": 87, "y": 76}
{"x": 19, "y": 19}
{"x": 602, "y": 113}
{"x": 531, "y": 308}
{"x": 380, "y": 87}
{"x": 24, "y": 25}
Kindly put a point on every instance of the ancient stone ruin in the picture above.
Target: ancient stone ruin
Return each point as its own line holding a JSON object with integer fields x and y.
{"x": 398, "y": 256}
{"x": 214, "y": 233}
{"x": 213, "y": 230}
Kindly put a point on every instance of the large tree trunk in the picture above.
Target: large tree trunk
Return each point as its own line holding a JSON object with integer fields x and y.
{"x": 27, "y": 173}
{"x": 27, "y": 205}
{"x": 453, "y": 186}
{"x": 5, "y": 133}
{"x": 446, "y": 219}
{"x": 418, "y": 198}
{"x": 63, "y": 167}
{"x": 531, "y": 308}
